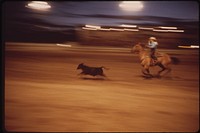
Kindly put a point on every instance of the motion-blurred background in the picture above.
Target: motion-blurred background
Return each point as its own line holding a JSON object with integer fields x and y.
{"x": 118, "y": 23}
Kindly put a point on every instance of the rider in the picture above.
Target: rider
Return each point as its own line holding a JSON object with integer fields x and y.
{"x": 152, "y": 44}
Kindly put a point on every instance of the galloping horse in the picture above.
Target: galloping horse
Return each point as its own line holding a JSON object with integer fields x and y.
{"x": 163, "y": 60}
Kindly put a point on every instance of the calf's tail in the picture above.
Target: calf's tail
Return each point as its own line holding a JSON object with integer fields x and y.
{"x": 105, "y": 68}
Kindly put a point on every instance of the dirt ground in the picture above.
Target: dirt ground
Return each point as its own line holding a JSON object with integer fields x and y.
{"x": 43, "y": 92}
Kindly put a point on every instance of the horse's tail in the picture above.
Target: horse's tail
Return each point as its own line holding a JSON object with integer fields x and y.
{"x": 175, "y": 60}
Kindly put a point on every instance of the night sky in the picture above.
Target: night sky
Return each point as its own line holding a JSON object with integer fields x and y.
{"x": 73, "y": 12}
{"x": 64, "y": 15}
{"x": 69, "y": 13}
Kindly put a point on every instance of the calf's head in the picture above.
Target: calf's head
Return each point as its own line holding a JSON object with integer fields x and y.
{"x": 80, "y": 66}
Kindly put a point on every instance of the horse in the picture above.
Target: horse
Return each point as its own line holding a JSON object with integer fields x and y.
{"x": 163, "y": 60}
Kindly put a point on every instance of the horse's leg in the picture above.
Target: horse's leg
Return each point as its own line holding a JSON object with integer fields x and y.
{"x": 164, "y": 67}
{"x": 168, "y": 70}
{"x": 146, "y": 71}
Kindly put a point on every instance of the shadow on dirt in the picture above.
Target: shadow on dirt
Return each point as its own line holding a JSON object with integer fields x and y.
{"x": 155, "y": 77}
{"x": 86, "y": 78}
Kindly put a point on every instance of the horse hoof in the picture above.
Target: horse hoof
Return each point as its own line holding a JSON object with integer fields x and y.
{"x": 158, "y": 76}
{"x": 148, "y": 76}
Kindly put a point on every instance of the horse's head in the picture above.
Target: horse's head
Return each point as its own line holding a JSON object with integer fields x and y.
{"x": 137, "y": 48}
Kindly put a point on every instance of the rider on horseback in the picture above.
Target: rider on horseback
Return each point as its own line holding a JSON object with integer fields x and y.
{"x": 152, "y": 44}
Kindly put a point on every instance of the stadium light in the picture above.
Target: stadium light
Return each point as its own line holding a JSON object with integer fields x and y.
{"x": 38, "y": 5}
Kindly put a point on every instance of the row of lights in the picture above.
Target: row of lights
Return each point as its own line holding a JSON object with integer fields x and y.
{"x": 132, "y": 28}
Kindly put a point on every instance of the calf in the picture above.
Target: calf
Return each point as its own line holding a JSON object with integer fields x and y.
{"x": 86, "y": 70}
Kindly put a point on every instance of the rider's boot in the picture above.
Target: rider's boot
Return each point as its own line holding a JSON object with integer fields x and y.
{"x": 155, "y": 61}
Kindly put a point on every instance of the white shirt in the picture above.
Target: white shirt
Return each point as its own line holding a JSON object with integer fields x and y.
{"x": 152, "y": 44}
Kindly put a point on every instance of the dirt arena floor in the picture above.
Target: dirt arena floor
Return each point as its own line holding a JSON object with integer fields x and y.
{"x": 43, "y": 92}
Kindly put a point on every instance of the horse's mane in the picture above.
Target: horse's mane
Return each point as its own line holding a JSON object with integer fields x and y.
{"x": 142, "y": 44}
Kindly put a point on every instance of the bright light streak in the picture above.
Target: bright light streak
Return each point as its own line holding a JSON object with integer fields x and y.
{"x": 64, "y": 45}
{"x": 115, "y": 29}
{"x": 194, "y": 46}
{"x": 184, "y": 46}
{"x": 40, "y": 2}
{"x": 145, "y": 28}
{"x": 175, "y": 30}
{"x": 87, "y": 28}
{"x": 131, "y": 5}
{"x": 169, "y": 28}
{"x": 130, "y": 26}
{"x": 191, "y": 46}
{"x": 157, "y": 30}
{"x": 38, "y": 5}
{"x": 93, "y": 26}
{"x": 160, "y": 30}
{"x": 125, "y": 29}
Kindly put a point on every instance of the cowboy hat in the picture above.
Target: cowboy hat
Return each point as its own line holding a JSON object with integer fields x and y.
{"x": 152, "y": 38}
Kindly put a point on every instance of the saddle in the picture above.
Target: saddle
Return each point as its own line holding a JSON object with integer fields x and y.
{"x": 153, "y": 61}
{"x": 158, "y": 54}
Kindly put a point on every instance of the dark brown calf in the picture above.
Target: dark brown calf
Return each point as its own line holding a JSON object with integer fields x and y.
{"x": 86, "y": 70}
